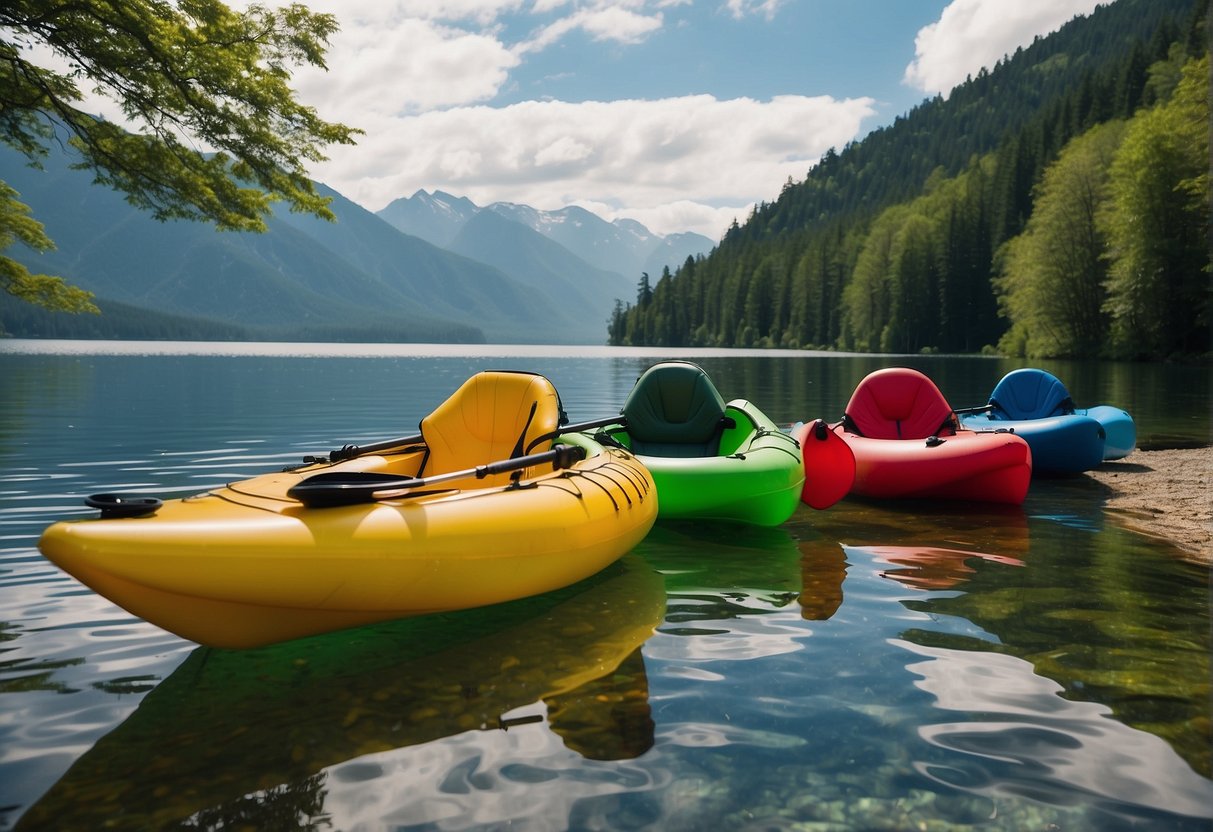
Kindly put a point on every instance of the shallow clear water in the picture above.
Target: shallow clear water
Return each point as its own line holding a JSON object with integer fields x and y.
{"x": 869, "y": 666}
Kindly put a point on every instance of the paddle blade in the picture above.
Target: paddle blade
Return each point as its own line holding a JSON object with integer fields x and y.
{"x": 345, "y": 488}
{"x": 829, "y": 464}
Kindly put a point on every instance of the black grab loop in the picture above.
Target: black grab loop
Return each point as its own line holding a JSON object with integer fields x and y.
{"x": 116, "y": 505}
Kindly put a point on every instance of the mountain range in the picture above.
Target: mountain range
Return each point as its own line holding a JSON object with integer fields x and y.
{"x": 428, "y": 268}
{"x": 624, "y": 247}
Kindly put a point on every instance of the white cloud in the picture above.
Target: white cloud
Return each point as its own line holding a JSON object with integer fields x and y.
{"x": 479, "y": 10}
{"x": 411, "y": 66}
{"x": 742, "y": 8}
{"x": 564, "y": 149}
{"x": 609, "y": 23}
{"x": 620, "y": 25}
{"x": 971, "y": 34}
{"x": 666, "y": 161}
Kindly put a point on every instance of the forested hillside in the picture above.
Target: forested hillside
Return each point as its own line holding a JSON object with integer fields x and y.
{"x": 1057, "y": 205}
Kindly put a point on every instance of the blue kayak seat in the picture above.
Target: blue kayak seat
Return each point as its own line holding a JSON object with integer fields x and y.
{"x": 1030, "y": 394}
{"x": 674, "y": 411}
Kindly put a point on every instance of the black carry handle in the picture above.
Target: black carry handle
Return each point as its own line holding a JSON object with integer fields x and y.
{"x": 121, "y": 505}
{"x": 347, "y": 488}
{"x": 985, "y": 408}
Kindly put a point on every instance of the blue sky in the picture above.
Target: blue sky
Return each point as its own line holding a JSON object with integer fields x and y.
{"x": 807, "y": 48}
{"x": 678, "y": 113}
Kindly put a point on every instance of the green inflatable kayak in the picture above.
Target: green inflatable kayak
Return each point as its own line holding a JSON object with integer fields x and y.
{"x": 710, "y": 460}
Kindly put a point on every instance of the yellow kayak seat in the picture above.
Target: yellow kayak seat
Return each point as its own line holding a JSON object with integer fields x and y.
{"x": 494, "y": 415}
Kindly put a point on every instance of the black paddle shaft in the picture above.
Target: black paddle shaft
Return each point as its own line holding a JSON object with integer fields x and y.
{"x": 351, "y": 451}
{"x": 345, "y": 488}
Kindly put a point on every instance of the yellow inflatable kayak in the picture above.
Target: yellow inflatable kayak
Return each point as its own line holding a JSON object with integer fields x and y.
{"x": 425, "y": 526}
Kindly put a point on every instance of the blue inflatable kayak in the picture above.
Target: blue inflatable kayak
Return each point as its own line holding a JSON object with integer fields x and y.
{"x": 1064, "y": 439}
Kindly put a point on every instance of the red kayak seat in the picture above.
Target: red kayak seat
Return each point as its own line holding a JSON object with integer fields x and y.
{"x": 898, "y": 403}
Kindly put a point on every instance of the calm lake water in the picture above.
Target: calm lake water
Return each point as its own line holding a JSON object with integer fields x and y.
{"x": 871, "y": 666}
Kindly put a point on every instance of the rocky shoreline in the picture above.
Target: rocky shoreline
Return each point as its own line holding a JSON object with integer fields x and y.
{"x": 1164, "y": 493}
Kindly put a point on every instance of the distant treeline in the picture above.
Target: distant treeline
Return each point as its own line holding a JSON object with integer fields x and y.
{"x": 120, "y": 321}
{"x": 1057, "y": 205}
{"x": 117, "y": 321}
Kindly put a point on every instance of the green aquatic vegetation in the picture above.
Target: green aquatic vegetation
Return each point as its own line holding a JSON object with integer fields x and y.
{"x": 128, "y": 684}
{"x": 34, "y": 676}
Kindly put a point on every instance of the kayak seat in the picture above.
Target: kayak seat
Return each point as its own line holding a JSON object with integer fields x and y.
{"x": 1030, "y": 394}
{"x": 494, "y": 415}
{"x": 674, "y": 411}
{"x": 898, "y": 403}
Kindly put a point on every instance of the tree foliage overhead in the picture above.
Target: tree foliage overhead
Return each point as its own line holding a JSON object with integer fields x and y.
{"x": 943, "y": 232}
{"x": 216, "y": 133}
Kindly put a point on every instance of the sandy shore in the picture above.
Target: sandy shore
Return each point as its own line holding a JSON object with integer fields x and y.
{"x": 1166, "y": 494}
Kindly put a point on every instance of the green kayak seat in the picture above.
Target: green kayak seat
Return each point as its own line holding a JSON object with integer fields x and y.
{"x": 675, "y": 411}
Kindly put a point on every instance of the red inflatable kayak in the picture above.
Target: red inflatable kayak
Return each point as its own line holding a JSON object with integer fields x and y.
{"x": 908, "y": 444}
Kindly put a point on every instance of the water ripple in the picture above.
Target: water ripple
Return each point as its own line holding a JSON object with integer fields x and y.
{"x": 1022, "y": 736}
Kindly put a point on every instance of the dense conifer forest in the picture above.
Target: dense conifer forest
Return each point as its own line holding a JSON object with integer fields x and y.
{"x": 1056, "y": 205}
